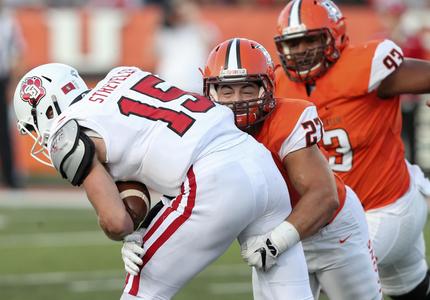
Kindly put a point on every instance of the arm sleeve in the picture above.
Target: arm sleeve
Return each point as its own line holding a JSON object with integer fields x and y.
{"x": 307, "y": 131}
{"x": 386, "y": 59}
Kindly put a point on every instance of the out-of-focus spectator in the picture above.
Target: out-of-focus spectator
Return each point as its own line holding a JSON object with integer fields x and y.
{"x": 63, "y": 3}
{"x": 182, "y": 44}
{"x": 115, "y": 3}
{"x": 391, "y": 13}
{"x": 11, "y": 48}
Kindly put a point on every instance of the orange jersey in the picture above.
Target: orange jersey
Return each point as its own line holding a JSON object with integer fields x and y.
{"x": 362, "y": 131}
{"x": 293, "y": 125}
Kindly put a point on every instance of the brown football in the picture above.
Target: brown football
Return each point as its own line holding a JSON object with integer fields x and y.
{"x": 132, "y": 193}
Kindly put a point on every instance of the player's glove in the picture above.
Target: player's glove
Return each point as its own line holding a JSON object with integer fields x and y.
{"x": 262, "y": 251}
{"x": 132, "y": 251}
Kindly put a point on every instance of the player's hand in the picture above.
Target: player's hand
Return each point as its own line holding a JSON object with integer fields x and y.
{"x": 259, "y": 252}
{"x": 132, "y": 251}
{"x": 262, "y": 251}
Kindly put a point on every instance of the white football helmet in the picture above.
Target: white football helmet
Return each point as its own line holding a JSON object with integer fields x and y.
{"x": 41, "y": 95}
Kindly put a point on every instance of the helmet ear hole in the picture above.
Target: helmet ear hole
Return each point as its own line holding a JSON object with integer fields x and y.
{"x": 49, "y": 113}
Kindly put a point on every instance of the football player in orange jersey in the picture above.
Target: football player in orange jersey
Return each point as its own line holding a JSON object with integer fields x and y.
{"x": 356, "y": 91}
{"x": 239, "y": 73}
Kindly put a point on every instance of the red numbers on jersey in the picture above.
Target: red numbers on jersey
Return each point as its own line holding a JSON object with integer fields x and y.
{"x": 393, "y": 59}
{"x": 311, "y": 128}
{"x": 178, "y": 121}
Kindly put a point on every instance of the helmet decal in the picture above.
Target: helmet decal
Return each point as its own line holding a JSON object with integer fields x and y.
{"x": 68, "y": 87}
{"x": 266, "y": 54}
{"x": 332, "y": 10}
{"x": 32, "y": 90}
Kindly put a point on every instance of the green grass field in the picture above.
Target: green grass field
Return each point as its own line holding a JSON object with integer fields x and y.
{"x": 62, "y": 254}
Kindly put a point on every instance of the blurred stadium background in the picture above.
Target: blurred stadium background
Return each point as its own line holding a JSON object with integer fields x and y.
{"x": 50, "y": 244}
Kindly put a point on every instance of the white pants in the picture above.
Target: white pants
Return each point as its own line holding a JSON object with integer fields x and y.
{"x": 282, "y": 281}
{"x": 340, "y": 257}
{"x": 234, "y": 193}
{"x": 396, "y": 232}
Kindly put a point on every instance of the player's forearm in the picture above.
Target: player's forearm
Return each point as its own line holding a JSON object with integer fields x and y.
{"x": 103, "y": 195}
{"x": 313, "y": 211}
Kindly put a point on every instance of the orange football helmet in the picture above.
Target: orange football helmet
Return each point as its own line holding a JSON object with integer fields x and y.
{"x": 317, "y": 24}
{"x": 237, "y": 61}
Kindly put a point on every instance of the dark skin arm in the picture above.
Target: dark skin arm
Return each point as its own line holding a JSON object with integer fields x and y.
{"x": 104, "y": 196}
{"x": 311, "y": 176}
{"x": 411, "y": 77}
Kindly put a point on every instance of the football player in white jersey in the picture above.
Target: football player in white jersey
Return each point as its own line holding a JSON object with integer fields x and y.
{"x": 135, "y": 126}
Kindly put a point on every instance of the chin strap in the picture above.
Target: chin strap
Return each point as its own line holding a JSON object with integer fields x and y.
{"x": 34, "y": 114}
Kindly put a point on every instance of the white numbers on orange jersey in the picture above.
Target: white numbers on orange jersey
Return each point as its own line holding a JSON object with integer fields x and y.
{"x": 338, "y": 140}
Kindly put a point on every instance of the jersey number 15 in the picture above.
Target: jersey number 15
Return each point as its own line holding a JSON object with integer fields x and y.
{"x": 178, "y": 121}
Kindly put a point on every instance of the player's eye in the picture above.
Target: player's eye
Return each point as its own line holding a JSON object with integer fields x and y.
{"x": 226, "y": 92}
{"x": 313, "y": 38}
{"x": 293, "y": 43}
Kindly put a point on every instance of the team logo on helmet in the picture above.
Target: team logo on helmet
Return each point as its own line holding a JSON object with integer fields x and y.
{"x": 266, "y": 54}
{"x": 332, "y": 10}
{"x": 32, "y": 90}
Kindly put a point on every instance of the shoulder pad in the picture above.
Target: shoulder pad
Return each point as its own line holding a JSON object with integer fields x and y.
{"x": 72, "y": 152}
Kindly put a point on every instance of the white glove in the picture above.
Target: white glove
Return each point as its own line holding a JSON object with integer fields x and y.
{"x": 255, "y": 251}
{"x": 262, "y": 251}
{"x": 132, "y": 251}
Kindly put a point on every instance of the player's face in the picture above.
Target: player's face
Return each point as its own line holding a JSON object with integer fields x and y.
{"x": 301, "y": 44}
{"x": 237, "y": 92}
{"x": 304, "y": 52}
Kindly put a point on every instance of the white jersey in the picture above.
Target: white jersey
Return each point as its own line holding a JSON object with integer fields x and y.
{"x": 153, "y": 131}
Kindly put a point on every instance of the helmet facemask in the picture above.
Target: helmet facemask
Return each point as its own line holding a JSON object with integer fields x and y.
{"x": 307, "y": 65}
{"x": 38, "y": 151}
{"x": 39, "y": 130}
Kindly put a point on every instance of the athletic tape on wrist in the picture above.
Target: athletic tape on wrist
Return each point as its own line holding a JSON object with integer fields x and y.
{"x": 285, "y": 236}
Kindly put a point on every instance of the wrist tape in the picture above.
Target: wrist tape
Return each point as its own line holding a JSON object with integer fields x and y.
{"x": 285, "y": 236}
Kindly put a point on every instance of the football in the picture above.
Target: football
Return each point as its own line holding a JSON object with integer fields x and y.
{"x": 136, "y": 198}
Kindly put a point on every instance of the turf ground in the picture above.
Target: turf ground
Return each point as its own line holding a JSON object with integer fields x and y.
{"x": 52, "y": 248}
{"x": 60, "y": 253}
